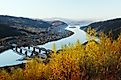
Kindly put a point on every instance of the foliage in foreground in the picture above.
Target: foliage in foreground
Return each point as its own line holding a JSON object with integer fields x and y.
{"x": 93, "y": 61}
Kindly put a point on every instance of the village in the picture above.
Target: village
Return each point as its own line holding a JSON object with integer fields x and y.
{"x": 32, "y": 39}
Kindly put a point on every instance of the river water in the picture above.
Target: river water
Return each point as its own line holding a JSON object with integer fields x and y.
{"x": 9, "y": 57}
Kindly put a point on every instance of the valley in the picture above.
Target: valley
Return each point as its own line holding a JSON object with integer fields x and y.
{"x": 29, "y": 32}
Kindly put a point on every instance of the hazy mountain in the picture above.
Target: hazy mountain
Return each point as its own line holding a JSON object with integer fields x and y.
{"x": 70, "y": 21}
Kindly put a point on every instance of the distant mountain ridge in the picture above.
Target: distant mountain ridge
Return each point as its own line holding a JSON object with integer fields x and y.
{"x": 113, "y": 25}
{"x": 7, "y": 31}
{"x": 23, "y": 22}
{"x": 70, "y": 21}
{"x": 20, "y": 25}
{"x": 27, "y": 22}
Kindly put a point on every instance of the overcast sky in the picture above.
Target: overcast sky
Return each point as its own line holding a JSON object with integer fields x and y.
{"x": 72, "y": 9}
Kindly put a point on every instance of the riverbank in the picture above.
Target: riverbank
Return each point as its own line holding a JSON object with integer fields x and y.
{"x": 32, "y": 40}
{"x": 74, "y": 62}
{"x": 9, "y": 57}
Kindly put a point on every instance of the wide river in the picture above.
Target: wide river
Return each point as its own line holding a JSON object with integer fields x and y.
{"x": 9, "y": 57}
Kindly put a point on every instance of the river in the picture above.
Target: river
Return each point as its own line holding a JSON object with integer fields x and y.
{"x": 9, "y": 57}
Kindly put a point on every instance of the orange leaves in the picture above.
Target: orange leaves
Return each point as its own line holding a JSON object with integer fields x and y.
{"x": 94, "y": 60}
{"x": 64, "y": 66}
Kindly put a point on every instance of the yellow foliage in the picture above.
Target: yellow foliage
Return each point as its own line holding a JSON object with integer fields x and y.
{"x": 93, "y": 61}
{"x": 91, "y": 34}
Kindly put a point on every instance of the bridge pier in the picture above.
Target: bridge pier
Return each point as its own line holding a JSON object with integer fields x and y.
{"x": 32, "y": 53}
{"x": 20, "y": 50}
{"x": 26, "y": 53}
{"x": 16, "y": 49}
{"x": 39, "y": 50}
{"x": 46, "y": 51}
{"x": 28, "y": 47}
{"x": 33, "y": 49}
{"x": 36, "y": 51}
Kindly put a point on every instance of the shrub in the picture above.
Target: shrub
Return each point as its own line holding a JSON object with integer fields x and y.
{"x": 93, "y": 61}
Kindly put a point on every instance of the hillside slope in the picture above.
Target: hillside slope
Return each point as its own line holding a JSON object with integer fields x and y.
{"x": 7, "y": 31}
{"x": 23, "y": 22}
{"x": 11, "y": 26}
{"x": 113, "y": 25}
{"x": 29, "y": 32}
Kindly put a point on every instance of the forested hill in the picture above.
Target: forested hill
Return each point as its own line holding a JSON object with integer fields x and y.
{"x": 23, "y": 22}
{"x": 7, "y": 31}
{"x": 113, "y": 25}
{"x": 16, "y": 26}
{"x": 27, "y": 22}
